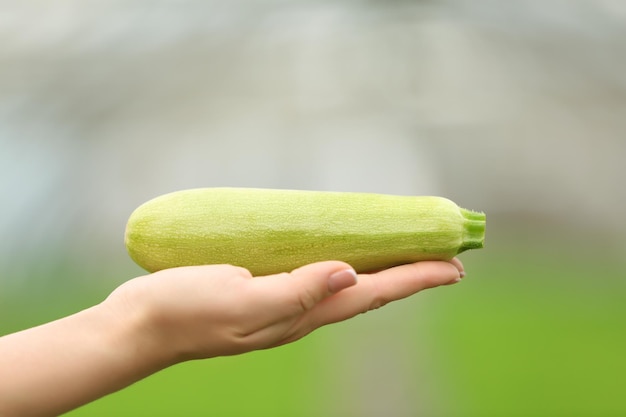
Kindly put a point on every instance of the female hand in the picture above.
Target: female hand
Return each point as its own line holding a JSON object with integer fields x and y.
{"x": 205, "y": 311}
{"x": 157, "y": 320}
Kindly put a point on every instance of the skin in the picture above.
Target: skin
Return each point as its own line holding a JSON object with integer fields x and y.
{"x": 158, "y": 320}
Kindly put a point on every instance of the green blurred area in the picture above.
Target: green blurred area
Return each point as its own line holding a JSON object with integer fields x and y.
{"x": 536, "y": 334}
{"x": 536, "y": 329}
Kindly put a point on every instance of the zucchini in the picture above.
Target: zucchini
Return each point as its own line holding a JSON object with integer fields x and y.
{"x": 270, "y": 231}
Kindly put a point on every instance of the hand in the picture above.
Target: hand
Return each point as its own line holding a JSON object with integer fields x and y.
{"x": 215, "y": 310}
{"x": 157, "y": 320}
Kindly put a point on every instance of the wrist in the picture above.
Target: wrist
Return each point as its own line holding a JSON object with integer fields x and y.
{"x": 61, "y": 365}
{"x": 133, "y": 337}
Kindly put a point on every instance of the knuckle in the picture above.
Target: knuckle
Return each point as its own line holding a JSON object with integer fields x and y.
{"x": 378, "y": 298}
{"x": 306, "y": 299}
{"x": 378, "y": 302}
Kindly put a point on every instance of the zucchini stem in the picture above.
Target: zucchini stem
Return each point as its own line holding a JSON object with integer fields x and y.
{"x": 474, "y": 236}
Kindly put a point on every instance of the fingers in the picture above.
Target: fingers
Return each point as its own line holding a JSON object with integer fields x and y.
{"x": 459, "y": 265}
{"x": 376, "y": 290}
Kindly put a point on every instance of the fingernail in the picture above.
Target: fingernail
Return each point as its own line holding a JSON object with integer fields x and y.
{"x": 454, "y": 281}
{"x": 341, "y": 279}
{"x": 462, "y": 274}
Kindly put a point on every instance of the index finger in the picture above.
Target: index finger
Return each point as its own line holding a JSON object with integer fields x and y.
{"x": 376, "y": 290}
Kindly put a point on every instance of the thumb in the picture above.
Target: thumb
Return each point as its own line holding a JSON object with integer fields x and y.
{"x": 311, "y": 283}
{"x": 331, "y": 276}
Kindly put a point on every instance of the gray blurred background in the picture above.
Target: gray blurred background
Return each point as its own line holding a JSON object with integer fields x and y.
{"x": 517, "y": 109}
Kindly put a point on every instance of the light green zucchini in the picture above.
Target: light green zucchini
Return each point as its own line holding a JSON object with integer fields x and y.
{"x": 270, "y": 231}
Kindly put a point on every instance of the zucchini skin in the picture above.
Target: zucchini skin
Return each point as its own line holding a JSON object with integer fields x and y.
{"x": 269, "y": 231}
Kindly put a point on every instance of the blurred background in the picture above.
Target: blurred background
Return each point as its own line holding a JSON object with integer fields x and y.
{"x": 517, "y": 109}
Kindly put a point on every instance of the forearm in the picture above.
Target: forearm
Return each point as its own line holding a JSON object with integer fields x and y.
{"x": 56, "y": 367}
